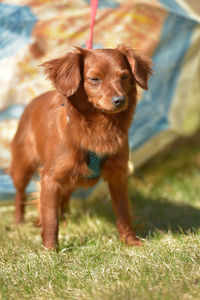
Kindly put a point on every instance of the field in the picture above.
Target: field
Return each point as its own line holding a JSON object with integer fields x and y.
{"x": 92, "y": 263}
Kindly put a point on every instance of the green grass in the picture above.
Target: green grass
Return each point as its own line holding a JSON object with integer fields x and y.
{"x": 93, "y": 264}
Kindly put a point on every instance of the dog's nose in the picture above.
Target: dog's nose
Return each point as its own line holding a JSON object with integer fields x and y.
{"x": 118, "y": 101}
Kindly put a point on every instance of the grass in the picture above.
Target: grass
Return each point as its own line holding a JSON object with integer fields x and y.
{"x": 93, "y": 264}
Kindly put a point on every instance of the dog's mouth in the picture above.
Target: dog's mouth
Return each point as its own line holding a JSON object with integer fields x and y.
{"x": 112, "y": 110}
{"x": 116, "y": 110}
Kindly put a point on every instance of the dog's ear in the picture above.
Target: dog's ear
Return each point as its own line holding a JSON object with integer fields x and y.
{"x": 141, "y": 66}
{"x": 64, "y": 72}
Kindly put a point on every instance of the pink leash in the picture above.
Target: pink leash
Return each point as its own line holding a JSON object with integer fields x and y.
{"x": 93, "y": 4}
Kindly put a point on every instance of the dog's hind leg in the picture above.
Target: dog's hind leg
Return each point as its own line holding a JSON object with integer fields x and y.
{"x": 22, "y": 168}
{"x": 21, "y": 176}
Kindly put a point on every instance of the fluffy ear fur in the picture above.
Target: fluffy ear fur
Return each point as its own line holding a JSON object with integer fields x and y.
{"x": 64, "y": 72}
{"x": 140, "y": 66}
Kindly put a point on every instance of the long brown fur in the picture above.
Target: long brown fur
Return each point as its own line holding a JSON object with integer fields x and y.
{"x": 59, "y": 137}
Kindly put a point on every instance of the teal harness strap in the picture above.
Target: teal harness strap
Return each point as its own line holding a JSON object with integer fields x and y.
{"x": 94, "y": 163}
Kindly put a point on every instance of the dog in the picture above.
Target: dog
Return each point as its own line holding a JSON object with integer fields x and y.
{"x": 79, "y": 133}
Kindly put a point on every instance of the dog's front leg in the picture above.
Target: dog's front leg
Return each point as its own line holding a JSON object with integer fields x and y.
{"x": 49, "y": 211}
{"x": 119, "y": 194}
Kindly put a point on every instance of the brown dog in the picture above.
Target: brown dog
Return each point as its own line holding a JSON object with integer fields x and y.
{"x": 79, "y": 132}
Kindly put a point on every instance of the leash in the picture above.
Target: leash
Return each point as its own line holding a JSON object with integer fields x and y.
{"x": 93, "y": 4}
{"x": 94, "y": 161}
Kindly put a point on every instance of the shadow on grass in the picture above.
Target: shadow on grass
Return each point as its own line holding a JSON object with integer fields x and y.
{"x": 156, "y": 214}
{"x": 151, "y": 214}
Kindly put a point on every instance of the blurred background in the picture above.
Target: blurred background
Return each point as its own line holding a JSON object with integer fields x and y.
{"x": 33, "y": 31}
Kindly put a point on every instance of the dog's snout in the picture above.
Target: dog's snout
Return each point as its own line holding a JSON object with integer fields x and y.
{"x": 118, "y": 101}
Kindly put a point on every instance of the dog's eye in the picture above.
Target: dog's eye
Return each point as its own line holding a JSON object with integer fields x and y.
{"x": 124, "y": 77}
{"x": 94, "y": 79}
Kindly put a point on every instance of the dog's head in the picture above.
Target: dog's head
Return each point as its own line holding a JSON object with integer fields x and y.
{"x": 105, "y": 76}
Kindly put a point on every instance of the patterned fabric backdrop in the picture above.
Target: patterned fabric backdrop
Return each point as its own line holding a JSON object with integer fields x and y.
{"x": 33, "y": 31}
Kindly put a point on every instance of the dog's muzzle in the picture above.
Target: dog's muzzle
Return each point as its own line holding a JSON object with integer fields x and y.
{"x": 118, "y": 101}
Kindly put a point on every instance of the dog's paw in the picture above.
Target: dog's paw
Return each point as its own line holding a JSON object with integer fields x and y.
{"x": 131, "y": 240}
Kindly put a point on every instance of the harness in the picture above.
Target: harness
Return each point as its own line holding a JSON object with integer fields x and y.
{"x": 94, "y": 161}
{"x": 95, "y": 164}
